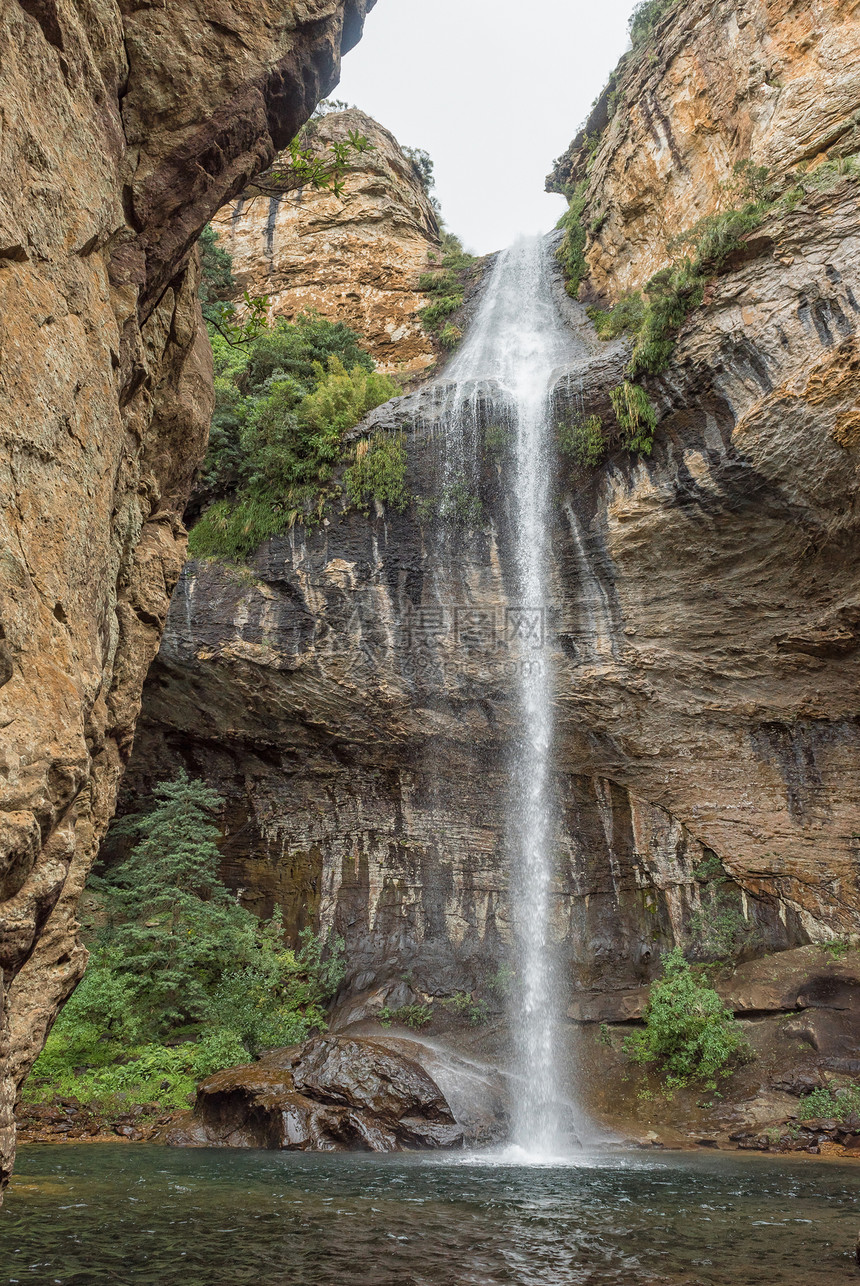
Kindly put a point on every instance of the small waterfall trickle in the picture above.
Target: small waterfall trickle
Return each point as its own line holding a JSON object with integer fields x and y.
{"x": 512, "y": 355}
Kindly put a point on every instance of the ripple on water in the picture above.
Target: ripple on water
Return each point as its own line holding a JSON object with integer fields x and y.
{"x": 84, "y": 1216}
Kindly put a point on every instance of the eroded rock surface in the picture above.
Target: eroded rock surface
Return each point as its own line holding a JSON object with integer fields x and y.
{"x": 334, "y": 1093}
{"x": 774, "y": 82}
{"x": 124, "y": 127}
{"x": 355, "y": 257}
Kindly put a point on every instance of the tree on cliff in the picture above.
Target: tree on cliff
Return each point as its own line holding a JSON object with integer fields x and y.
{"x": 182, "y": 979}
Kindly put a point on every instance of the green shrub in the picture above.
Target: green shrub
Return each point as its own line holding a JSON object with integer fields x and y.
{"x": 458, "y": 505}
{"x": 583, "y": 440}
{"x": 433, "y": 316}
{"x": 290, "y": 442}
{"x": 415, "y": 1016}
{"x": 446, "y": 285}
{"x": 645, "y": 17}
{"x": 461, "y": 1003}
{"x": 378, "y": 472}
{"x": 689, "y": 1034}
{"x": 636, "y": 417}
{"x": 827, "y": 1104}
{"x": 571, "y": 251}
{"x": 626, "y": 315}
{"x": 182, "y": 980}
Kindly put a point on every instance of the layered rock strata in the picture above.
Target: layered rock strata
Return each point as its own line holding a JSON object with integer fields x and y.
{"x": 353, "y": 703}
{"x": 773, "y": 84}
{"x": 124, "y": 128}
{"x": 355, "y": 256}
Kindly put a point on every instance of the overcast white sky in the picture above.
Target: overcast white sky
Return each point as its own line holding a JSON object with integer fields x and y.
{"x": 494, "y": 90}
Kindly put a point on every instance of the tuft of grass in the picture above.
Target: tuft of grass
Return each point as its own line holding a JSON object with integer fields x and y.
{"x": 378, "y": 472}
{"x": 636, "y": 417}
{"x": 414, "y": 1016}
{"x": 827, "y": 1104}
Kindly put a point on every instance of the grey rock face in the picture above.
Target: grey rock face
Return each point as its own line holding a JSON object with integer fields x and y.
{"x": 351, "y": 696}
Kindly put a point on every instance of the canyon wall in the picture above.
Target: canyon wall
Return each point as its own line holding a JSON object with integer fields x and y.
{"x": 350, "y": 694}
{"x": 354, "y": 256}
{"x": 773, "y": 82}
{"x": 124, "y": 127}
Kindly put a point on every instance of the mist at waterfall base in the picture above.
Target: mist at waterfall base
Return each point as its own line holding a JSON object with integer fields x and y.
{"x": 515, "y": 348}
{"x": 141, "y": 1215}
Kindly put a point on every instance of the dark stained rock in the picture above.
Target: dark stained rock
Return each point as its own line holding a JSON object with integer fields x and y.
{"x": 332, "y": 1094}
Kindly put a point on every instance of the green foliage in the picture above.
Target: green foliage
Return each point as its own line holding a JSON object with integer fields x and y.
{"x": 502, "y": 980}
{"x": 475, "y": 1012}
{"x": 645, "y": 17}
{"x": 676, "y": 290}
{"x": 689, "y": 1034}
{"x": 422, "y": 163}
{"x": 497, "y": 439}
{"x": 571, "y": 251}
{"x": 627, "y": 315}
{"x": 583, "y": 440}
{"x": 182, "y": 980}
{"x": 721, "y": 926}
{"x": 459, "y": 506}
{"x": 378, "y": 471}
{"x": 415, "y": 1016}
{"x": 283, "y": 405}
{"x": 827, "y": 1104}
{"x": 446, "y": 285}
{"x": 636, "y": 417}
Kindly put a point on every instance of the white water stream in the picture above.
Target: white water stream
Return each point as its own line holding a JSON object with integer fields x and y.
{"x": 517, "y": 343}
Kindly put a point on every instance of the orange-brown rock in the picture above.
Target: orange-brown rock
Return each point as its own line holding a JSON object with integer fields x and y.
{"x": 776, "y": 82}
{"x": 354, "y": 257}
{"x": 124, "y": 127}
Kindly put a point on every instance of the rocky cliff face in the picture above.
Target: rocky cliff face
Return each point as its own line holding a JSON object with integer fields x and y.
{"x": 355, "y": 257}
{"x": 123, "y": 128}
{"x": 352, "y": 699}
{"x": 775, "y": 82}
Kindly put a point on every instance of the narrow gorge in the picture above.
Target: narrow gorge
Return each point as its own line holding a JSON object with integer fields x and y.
{"x": 518, "y": 639}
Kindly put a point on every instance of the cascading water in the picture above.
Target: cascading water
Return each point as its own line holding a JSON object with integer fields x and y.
{"x": 514, "y": 349}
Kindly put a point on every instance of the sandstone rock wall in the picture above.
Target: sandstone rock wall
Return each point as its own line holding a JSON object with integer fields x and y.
{"x": 776, "y": 82}
{"x": 354, "y": 257}
{"x": 705, "y": 631}
{"x": 123, "y": 127}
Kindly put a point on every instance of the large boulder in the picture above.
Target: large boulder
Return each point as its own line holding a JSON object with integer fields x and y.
{"x": 331, "y": 1094}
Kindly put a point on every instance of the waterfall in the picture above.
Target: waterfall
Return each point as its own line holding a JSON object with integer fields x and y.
{"x": 510, "y": 359}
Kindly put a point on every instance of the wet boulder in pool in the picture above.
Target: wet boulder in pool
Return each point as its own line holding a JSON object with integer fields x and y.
{"x": 332, "y": 1093}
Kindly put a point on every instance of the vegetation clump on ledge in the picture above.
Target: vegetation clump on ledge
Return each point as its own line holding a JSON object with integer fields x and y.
{"x": 286, "y": 395}
{"x": 689, "y": 1033}
{"x": 446, "y": 287}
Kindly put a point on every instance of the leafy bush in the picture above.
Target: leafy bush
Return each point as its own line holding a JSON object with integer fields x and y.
{"x": 583, "y": 440}
{"x": 378, "y": 470}
{"x": 446, "y": 286}
{"x": 415, "y": 1016}
{"x": 720, "y": 925}
{"x": 827, "y": 1104}
{"x": 636, "y": 417}
{"x": 278, "y": 445}
{"x": 689, "y": 1033}
{"x": 182, "y": 980}
{"x": 645, "y": 17}
{"x": 461, "y": 1003}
